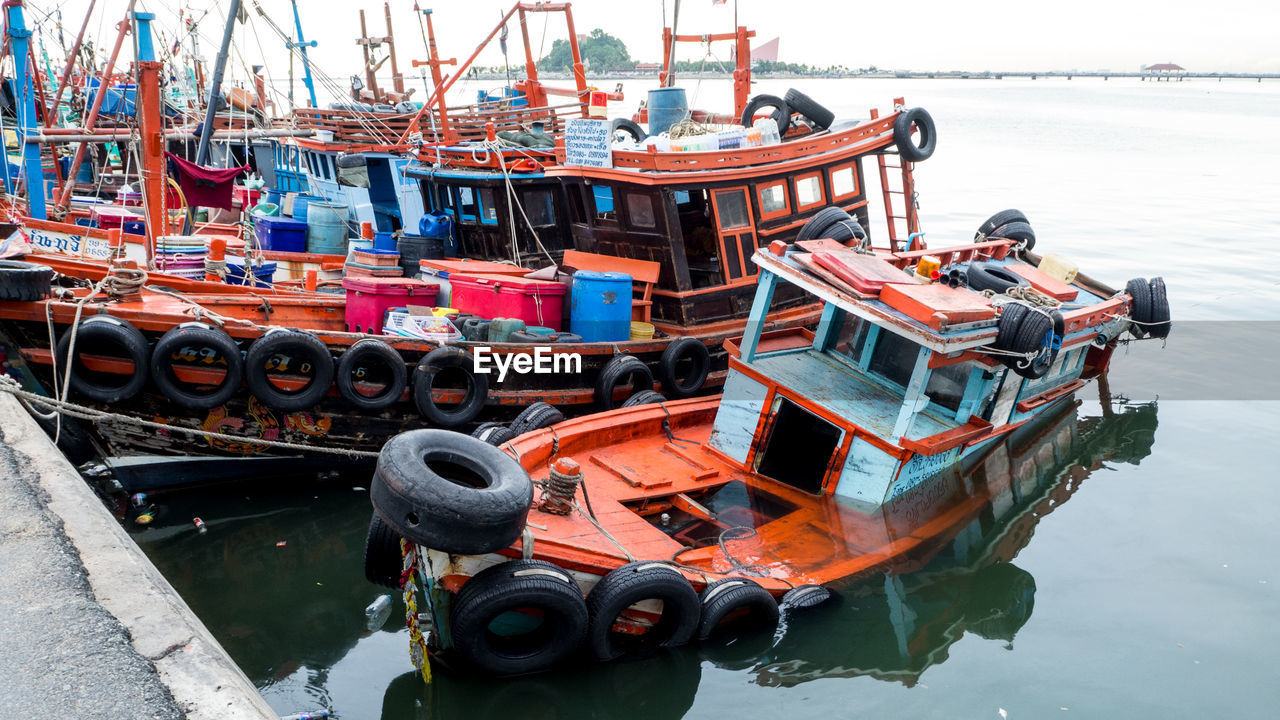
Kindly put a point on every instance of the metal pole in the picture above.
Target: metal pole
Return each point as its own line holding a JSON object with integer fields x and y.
{"x": 19, "y": 45}
{"x": 71, "y": 57}
{"x": 303, "y": 45}
{"x": 215, "y": 86}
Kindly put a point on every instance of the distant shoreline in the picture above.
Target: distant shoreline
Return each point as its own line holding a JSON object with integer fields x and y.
{"x": 918, "y": 75}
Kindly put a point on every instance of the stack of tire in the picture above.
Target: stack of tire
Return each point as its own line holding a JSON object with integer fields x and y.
{"x": 1149, "y": 308}
{"x": 832, "y": 223}
{"x": 463, "y": 496}
{"x": 1010, "y": 224}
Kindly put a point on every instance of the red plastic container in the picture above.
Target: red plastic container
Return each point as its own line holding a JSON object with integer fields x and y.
{"x": 369, "y": 297}
{"x": 537, "y": 302}
{"x": 246, "y": 197}
{"x": 114, "y": 216}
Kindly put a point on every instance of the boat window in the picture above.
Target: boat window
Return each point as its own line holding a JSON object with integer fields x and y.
{"x": 488, "y": 210}
{"x": 799, "y": 448}
{"x": 894, "y": 357}
{"x": 844, "y": 183}
{"x": 808, "y": 191}
{"x": 467, "y": 207}
{"x": 640, "y": 211}
{"x": 847, "y": 339}
{"x": 537, "y": 205}
{"x": 731, "y": 209}
{"x": 947, "y": 383}
{"x": 442, "y": 199}
{"x": 773, "y": 200}
{"x": 602, "y": 196}
{"x": 701, "y": 246}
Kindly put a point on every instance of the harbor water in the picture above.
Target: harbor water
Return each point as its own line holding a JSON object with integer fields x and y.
{"x": 1134, "y": 577}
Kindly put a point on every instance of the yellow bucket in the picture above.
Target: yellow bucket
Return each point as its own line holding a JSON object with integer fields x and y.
{"x": 441, "y": 312}
{"x": 641, "y": 331}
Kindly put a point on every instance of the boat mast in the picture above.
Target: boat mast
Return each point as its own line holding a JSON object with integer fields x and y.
{"x": 302, "y": 45}
{"x": 151, "y": 133}
{"x": 71, "y": 57}
{"x": 215, "y": 84}
{"x": 20, "y": 49}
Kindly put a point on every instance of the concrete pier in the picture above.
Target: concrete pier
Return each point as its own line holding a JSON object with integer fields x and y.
{"x": 88, "y": 626}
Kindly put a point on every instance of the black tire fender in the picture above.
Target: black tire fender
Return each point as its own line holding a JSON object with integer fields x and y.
{"x": 821, "y": 220}
{"x": 424, "y": 377}
{"x": 625, "y": 125}
{"x": 304, "y": 348}
{"x": 844, "y": 231}
{"x": 182, "y": 337}
{"x": 992, "y": 276}
{"x": 1004, "y": 217}
{"x": 633, "y": 583}
{"x": 781, "y": 111}
{"x": 450, "y": 492}
{"x": 354, "y": 365}
{"x": 1047, "y": 344}
{"x": 1016, "y": 230}
{"x": 684, "y": 349}
{"x": 535, "y": 417}
{"x": 383, "y": 562}
{"x": 1139, "y": 292}
{"x": 820, "y": 116}
{"x": 614, "y": 372}
{"x": 24, "y": 282}
{"x": 514, "y": 586}
{"x": 741, "y": 598}
{"x": 1160, "y": 314}
{"x": 95, "y": 332}
{"x": 907, "y": 147}
{"x": 644, "y": 397}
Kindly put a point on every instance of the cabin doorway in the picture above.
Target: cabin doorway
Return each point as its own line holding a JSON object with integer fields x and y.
{"x": 737, "y": 233}
{"x": 799, "y": 448}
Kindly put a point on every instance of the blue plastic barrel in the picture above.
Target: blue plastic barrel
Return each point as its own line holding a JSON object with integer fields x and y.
{"x": 300, "y": 203}
{"x": 600, "y": 309}
{"x": 327, "y": 228}
{"x": 667, "y": 106}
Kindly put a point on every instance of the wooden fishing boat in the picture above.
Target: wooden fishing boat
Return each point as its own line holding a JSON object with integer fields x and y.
{"x": 790, "y": 481}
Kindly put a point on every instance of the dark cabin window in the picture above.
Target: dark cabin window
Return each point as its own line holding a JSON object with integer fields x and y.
{"x": 731, "y": 208}
{"x": 894, "y": 357}
{"x": 468, "y": 208}
{"x": 799, "y": 449}
{"x": 946, "y": 385}
{"x": 701, "y": 244}
{"x": 849, "y": 337}
{"x": 640, "y": 211}
{"x": 488, "y": 210}
{"x": 537, "y": 205}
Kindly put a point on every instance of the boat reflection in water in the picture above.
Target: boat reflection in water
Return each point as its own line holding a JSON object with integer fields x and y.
{"x": 892, "y": 625}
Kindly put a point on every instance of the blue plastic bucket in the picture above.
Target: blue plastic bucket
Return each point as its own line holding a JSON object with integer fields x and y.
{"x": 667, "y": 106}
{"x": 600, "y": 309}
{"x": 383, "y": 241}
{"x": 327, "y": 228}
{"x": 300, "y": 203}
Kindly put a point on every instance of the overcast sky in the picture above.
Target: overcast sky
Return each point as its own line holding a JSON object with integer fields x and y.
{"x": 1224, "y": 35}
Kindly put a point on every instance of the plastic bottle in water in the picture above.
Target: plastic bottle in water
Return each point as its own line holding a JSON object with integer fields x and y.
{"x": 378, "y": 611}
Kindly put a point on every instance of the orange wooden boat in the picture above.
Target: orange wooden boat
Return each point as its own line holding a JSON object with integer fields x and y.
{"x": 797, "y": 477}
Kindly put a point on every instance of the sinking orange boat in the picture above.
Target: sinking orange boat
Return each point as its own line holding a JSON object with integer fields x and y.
{"x": 660, "y": 522}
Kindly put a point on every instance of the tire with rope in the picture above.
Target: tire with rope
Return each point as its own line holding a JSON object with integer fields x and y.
{"x": 518, "y": 617}
{"x": 684, "y": 367}
{"x": 733, "y": 603}
{"x": 1004, "y": 217}
{"x": 93, "y": 335}
{"x": 24, "y": 281}
{"x": 781, "y": 111}
{"x": 610, "y": 600}
{"x": 368, "y": 361}
{"x": 644, "y": 397}
{"x": 427, "y": 375}
{"x": 622, "y": 369}
{"x": 821, "y": 220}
{"x": 922, "y": 122}
{"x": 819, "y": 116}
{"x": 450, "y": 492}
{"x": 535, "y": 417}
{"x": 292, "y": 354}
{"x": 197, "y": 346}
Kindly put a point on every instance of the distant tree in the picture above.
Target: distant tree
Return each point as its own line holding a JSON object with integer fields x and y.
{"x": 600, "y": 50}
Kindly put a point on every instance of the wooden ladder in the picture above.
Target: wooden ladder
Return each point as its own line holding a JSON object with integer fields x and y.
{"x": 907, "y": 190}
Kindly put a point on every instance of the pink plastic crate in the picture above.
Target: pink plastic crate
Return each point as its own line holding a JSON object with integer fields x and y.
{"x": 537, "y": 302}
{"x": 369, "y": 297}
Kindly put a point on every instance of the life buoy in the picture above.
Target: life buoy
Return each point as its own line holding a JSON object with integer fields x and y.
{"x": 288, "y": 352}
{"x": 633, "y": 583}
{"x": 920, "y": 119}
{"x": 451, "y": 492}
{"x": 199, "y": 346}
{"x": 383, "y": 561}
{"x": 371, "y": 361}
{"x": 105, "y": 335}
{"x": 619, "y": 369}
{"x": 735, "y": 602}
{"x": 684, "y": 367}
{"x": 425, "y": 376}
{"x": 520, "y": 616}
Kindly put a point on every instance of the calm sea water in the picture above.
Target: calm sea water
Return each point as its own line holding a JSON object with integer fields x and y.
{"x": 1137, "y": 576}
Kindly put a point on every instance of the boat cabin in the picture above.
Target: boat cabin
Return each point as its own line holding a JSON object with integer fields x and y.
{"x": 892, "y": 387}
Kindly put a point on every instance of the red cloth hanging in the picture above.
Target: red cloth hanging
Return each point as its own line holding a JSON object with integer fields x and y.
{"x": 205, "y": 187}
